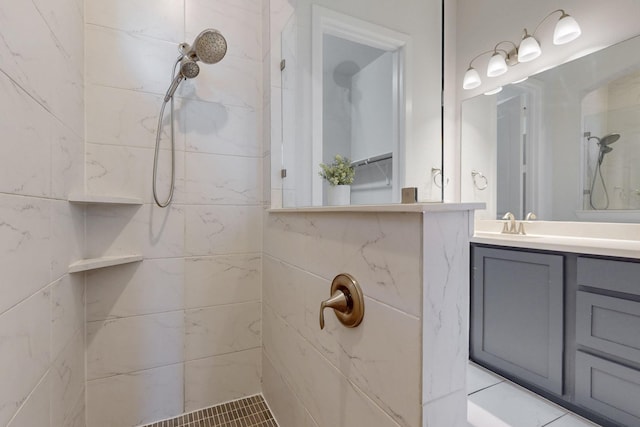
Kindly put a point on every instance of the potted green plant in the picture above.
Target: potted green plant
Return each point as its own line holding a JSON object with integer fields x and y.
{"x": 340, "y": 175}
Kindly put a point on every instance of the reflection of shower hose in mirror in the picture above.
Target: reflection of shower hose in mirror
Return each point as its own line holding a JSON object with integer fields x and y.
{"x": 597, "y": 172}
{"x": 435, "y": 173}
{"x": 484, "y": 182}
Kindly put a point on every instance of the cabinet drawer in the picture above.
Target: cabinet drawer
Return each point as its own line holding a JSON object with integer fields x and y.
{"x": 620, "y": 276}
{"x": 608, "y": 388}
{"x": 609, "y": 324}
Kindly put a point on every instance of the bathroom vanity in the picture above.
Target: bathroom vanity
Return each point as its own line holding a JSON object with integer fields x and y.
{"x": 560, "y": 315}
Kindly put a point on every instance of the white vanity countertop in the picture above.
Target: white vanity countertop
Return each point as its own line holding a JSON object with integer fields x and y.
{"x": 607, "y": 239}
{"x": 396, "y": 207}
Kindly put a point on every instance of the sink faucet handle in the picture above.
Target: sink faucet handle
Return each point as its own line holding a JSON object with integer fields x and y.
{"x": 530, "y": 216}
{"x": 511, "y": 225}
{"x": 509, "y": 216}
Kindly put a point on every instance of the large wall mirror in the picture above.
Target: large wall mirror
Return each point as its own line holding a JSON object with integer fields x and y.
{"x": 361, "y": 81}
{"x": 564, "y": 144}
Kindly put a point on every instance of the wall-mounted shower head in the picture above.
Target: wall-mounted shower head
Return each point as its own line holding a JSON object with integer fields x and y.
{"x": 209, "y": 47}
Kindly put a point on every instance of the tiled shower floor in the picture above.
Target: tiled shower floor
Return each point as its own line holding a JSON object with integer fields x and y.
{"x": 249, "y": 412}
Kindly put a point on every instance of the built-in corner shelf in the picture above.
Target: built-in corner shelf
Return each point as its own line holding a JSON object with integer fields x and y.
{"x": 107, "y": 261}
{"x": 92, "y": 199}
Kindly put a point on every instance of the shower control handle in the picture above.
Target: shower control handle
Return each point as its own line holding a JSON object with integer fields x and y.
{"x": 338, "y": 301}
{"x": 346, "y": 300}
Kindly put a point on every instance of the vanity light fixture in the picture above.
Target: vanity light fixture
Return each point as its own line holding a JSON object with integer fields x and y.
{"x": 566, "y": 30}
{"x": 497, "y": 65}
{"x": 494, "y": 91}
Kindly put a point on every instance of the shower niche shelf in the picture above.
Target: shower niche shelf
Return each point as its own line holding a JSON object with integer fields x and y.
{"x": 101, "y": 262}
{"x": 93, "y": 199}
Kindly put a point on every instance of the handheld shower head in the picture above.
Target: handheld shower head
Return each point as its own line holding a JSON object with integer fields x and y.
{"x": 188, "y": 70}
{"x": 604, "y": 143}
{"x": 210, "y": 47}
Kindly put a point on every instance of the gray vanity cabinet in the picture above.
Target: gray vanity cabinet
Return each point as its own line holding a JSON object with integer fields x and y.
{"x": 565, "y": 325}
{"x": 517, "y": 314}
{"x": 607, "y": 377}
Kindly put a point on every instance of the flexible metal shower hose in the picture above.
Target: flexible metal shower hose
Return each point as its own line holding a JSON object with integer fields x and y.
{"x": 157, "y": 150}
{"x": 597, "y": 172}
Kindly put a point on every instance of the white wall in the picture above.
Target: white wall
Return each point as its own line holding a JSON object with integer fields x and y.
{"x": 336, "y": 116}
{"x": 372, "y": 127}
{"x": 181, "y": 330}
{"x": 372, "y": 109}
{"x": 41, "y": 122}
{"x": 480, "y": 128}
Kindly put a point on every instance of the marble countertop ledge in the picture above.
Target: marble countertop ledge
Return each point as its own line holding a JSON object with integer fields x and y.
{"x": 395, "y": 207}
{"x": 606, "y": 239}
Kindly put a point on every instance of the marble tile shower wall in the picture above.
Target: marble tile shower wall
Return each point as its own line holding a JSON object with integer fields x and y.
{"x": 41, "y": 160}
{"x": 340, "y": 376}
{"x": 181, "y": 330}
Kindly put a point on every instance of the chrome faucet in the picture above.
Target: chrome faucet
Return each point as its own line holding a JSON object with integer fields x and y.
{"x": 510, "y": 226}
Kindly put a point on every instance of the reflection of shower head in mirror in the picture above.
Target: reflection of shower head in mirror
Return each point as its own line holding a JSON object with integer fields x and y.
{"x": 343, "y": 75}
{"x": 344, "y": 72}
{"x": 604, "y": 143}
{"x": 609, "y": 139}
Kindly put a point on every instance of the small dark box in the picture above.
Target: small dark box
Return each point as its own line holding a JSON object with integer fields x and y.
{"x": 409, "y": 195}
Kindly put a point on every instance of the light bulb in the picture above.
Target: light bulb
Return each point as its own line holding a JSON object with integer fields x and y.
{"x": 497, "y": 66}
{"x": 567, "y": 30}
{"x": 471, "y": 79}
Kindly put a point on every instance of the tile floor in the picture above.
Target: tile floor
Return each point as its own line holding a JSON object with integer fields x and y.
{"x": 496, "y": 402}
{"x": 249, "y": 412}
{"x": 492, "y": 402}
